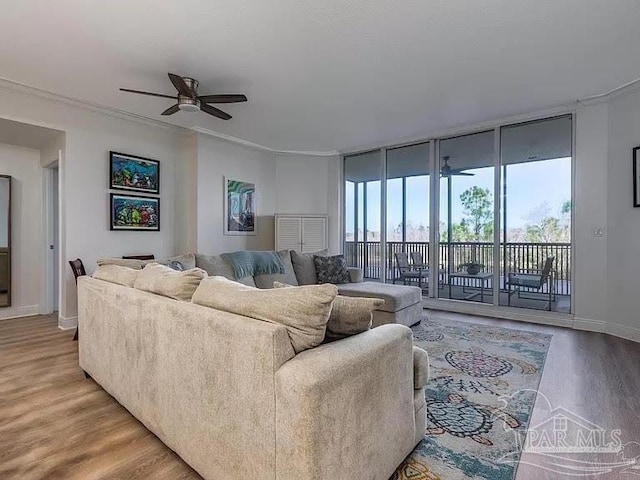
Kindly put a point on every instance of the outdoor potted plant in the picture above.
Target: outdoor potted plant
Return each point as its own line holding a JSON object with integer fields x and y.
{"x": 473, "y": 268}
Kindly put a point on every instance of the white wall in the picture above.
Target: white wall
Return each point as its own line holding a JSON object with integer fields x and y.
{"x": 590, "y": 211}
{"x": 217, "y": 158}
{"x": 310, "y": 184}
{"x": 23, "y": 164}
{"x": 84, "y": 181}
{"x": 623, "y": 220}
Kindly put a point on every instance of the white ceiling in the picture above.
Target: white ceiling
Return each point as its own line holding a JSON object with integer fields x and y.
{"x": 327, "y": 75}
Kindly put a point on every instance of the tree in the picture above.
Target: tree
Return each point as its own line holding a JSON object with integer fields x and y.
{"x": 478, "y": 209}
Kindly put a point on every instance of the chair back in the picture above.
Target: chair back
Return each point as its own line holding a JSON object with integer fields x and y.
{"x": 139, "y": 257}
{"x": 403, "y": 261}
{"x": 77, "y": 268}
{"x": 416, "y": 259}
{"x": 546, "y": 269}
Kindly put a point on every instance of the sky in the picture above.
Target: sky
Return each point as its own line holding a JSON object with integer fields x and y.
{"x": 531, "y": 186}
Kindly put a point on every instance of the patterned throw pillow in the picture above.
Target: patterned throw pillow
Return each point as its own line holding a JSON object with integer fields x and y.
{"x": 331, "y": 269}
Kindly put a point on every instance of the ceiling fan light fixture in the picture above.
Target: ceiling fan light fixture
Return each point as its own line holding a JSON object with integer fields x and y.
{"x": 188, "y": 104}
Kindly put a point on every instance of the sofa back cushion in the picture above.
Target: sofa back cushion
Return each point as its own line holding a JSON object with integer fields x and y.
{"x": 187, "y": 261}
{"x": 304, "y": 267}
{"x": 215, "y": 265}
{"x": 304, "y": 311}
{"x": 117, "y": 274}
{"x": 289, "y": 275}
{"x": 349, "y": 315}
{"x": 165, "y": 281}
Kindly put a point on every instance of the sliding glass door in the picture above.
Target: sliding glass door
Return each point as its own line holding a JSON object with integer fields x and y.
{"x": 362, "y": 212}
{"x": 535, "y": 237}
{"x": 466, "y": 171}
{"x": 408, "y": 204}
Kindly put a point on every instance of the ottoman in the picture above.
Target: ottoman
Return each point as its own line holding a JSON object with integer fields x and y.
{"x": 402, "y": 304}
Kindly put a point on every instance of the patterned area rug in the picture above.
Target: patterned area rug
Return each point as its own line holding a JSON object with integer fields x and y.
{"x": 480, "y": 395}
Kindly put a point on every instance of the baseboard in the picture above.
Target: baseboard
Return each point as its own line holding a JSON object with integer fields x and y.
{"x": 590, "y": 325}
{"x": 67, "y": 323}
{"x": 17, "y": 312}
{"x": 623, "y": 331}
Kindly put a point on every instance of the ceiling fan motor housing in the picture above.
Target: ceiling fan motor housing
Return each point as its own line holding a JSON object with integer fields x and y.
{"x": 189, "y": 104}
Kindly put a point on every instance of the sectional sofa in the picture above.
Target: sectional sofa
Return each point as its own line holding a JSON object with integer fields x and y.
{"x": 230, "y": 395}
{"x": 403, "y": 304}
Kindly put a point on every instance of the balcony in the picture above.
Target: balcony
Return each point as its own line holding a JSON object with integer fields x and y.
{"x": 515, "y": 255}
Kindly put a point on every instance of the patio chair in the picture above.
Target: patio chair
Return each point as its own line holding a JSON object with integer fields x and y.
{"x": 532, "y": 279}
{"x": 409, "y": 273}
{"x": 418, "y": 262}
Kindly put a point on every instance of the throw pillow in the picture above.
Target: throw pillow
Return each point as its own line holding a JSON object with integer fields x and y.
{"x": 304, "y": 267}
{"x": 349, "y": 315}
{"x": 117, "y": 274}
{"x": 331, "y": 269}
{"x": 289, "y": 276}
{"x": 303, "y": 311}
{"x": 216, "y": 266}
{"x": 165, "y": 281}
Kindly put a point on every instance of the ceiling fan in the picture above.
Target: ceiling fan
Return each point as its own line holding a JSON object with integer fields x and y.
{"x": 447, "y": 171}
{"x": 189, "y": 100}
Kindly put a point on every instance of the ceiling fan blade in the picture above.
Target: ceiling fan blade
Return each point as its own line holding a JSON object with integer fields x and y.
{"x": 181, "y": 86}
{"x": 214, "y": 111}
{"x": 171, "y": 110}
{"x": 148, "y": 93}
{"x": 463, "y": 174}
{"x": 228, "y": 98}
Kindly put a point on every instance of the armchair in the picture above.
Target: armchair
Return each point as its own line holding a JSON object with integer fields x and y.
{"x": 532, "y": 279}
{"x": 409, "y": 273}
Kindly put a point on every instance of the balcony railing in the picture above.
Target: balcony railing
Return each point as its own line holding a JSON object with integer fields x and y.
{"x": 515, "y": 255}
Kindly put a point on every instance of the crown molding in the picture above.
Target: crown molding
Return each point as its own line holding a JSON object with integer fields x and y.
{"x": 625, "y": 89}
{"x": 257, "y": 146}
{"x": 25, "y": 89}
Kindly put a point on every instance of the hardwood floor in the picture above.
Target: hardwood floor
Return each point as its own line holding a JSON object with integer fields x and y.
{"x": 54, "y": 424}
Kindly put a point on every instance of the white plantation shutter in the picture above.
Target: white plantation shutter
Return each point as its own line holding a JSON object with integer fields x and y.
{"x": 301, "y": 233}
{"x": 288, "y": 233}
{"x": 314, "y": 234}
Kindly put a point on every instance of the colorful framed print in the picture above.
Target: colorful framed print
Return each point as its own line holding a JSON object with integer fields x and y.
{"x": 135, "y": 213}
{"x": 636, "y": 177}
{"x": 136, "y": 174}
{"x": 240, "y": 215}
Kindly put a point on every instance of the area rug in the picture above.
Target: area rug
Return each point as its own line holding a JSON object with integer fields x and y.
{"x": 481, "y": 391}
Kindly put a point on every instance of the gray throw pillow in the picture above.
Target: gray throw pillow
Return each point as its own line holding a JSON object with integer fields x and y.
{"x": 304, "y": 267}
{"x": 331, "y": 269}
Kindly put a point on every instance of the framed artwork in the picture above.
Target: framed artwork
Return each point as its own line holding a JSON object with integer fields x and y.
{"x": 136, "y": 174}
{"x": 636, "y": 177}
{"x": 135, "y": 213}
{"x": 239, "y": 207}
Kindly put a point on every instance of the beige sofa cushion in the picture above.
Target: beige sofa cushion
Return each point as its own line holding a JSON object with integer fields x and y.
{"x": 215, "y": 265}
{"x": 349, "y": 315}
{"x": 289, "y": 275}
{"x": 304, "y": 311}
{"x": 124, "y": 276}
{"x": 396, "y": 297}
{"x": 304, "y": 267}
{"x": 165, "y": 281}
{"x": 188, "y": 261}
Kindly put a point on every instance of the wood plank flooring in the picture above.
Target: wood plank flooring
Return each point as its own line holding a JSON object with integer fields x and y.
{"x": 54, "y": 424}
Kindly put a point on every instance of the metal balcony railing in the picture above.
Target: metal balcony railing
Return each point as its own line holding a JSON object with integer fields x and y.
{"x": 513, "y": 255}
